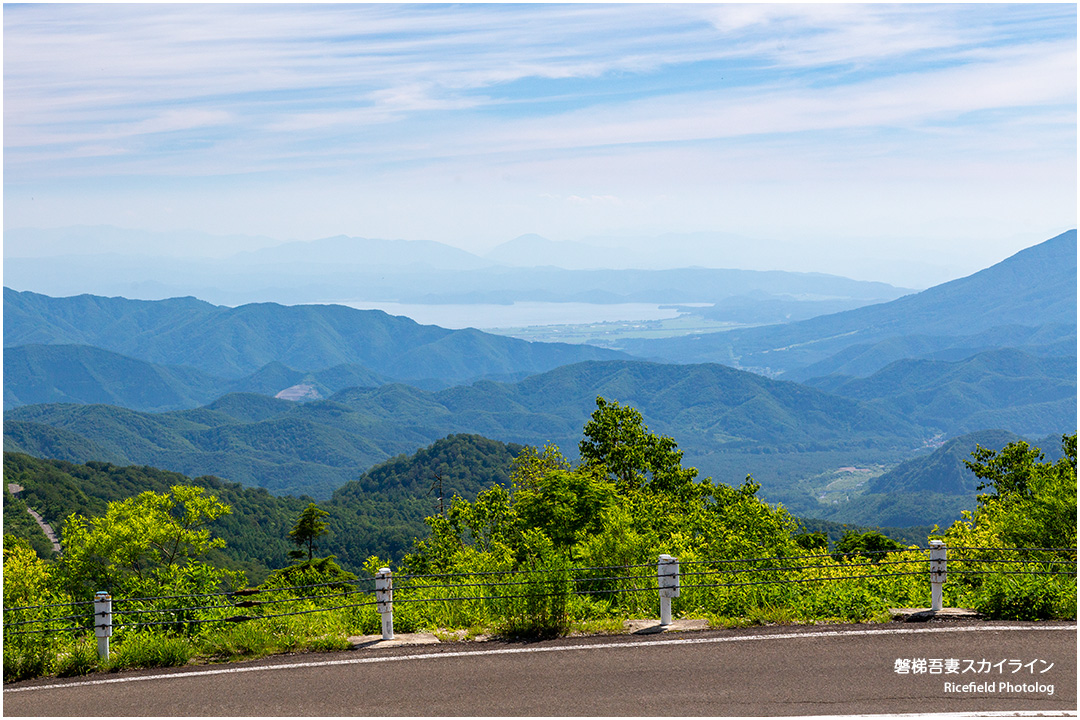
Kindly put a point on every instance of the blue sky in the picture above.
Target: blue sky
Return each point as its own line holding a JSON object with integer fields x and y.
{"x": 860, "y": 134}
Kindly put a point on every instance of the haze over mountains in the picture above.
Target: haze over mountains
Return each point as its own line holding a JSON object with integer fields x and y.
{"x": 108, "y": 261}
{"x": 882, "y": 384}
{"x": 1027, "y": 301}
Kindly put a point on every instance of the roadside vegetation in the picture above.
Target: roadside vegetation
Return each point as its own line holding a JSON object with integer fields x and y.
{"x": 562, "y": 548}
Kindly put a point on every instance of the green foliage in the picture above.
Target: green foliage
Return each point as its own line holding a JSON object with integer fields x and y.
{"x": 1021, "y": 597}
{"x": 19, "y": 523}
{"x": 323, "y": 572}
{"x": 30, "y": 581}
{"x": 382, "y": 512}
{"x": 812, "y": 541}
{"x": 871, "y": 545}
{"x": 256, "y": 531}
{"x": 150, "y": 650}
{"x": 309, "y": 527}
{"x": 565, "y": 505}
{"x": 145, "y": 545}
{"x": 617, "y": 441}
{"x": 80, "y": 658}
{"x": 1031, "y": 504}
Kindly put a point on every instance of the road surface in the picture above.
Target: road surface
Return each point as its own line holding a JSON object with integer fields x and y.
{"x": 809, "y": 670}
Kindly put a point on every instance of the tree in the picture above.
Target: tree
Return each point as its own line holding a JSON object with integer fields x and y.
{"x": 146, "y": 542}
{"x": 1009, "y": 472}
{"x": 870, "y": 544}
{"x": 617, "y": 440}
{"x": 309, "y": 527}
{"x": 1032, "y": 503}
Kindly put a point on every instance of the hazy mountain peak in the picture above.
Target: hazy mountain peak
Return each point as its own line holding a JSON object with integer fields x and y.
{"x": 362, "y": 252}
{"x": 532, "y": 250}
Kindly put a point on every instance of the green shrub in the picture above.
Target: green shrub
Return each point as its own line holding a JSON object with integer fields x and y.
{"x": 1018, "y": 597}
{"x": 23, "y": 660}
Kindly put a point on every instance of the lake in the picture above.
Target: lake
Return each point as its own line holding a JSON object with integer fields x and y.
{"x": 519, "y": 314}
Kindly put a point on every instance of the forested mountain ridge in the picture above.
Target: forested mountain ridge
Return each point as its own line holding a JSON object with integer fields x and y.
{"x": 234, "y": 342}
{"x": 82, "y": 374}
{"x": 934, "y": 488}
{"x": 1034, "y": 287}
{"x": 1005, "y": 387}
{"x": 716, "y": 411}
{"x": 380, "y": 513}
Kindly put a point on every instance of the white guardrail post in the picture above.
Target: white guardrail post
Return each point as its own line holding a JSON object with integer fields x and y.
{"x": 384, "y": 595}
{"x": 103, "y": 622}
{"x": 667, "y": 576}
{"x": 937, "y": 572}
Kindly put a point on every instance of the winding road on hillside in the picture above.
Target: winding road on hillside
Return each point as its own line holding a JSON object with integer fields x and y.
{"x": 960, "y": 666}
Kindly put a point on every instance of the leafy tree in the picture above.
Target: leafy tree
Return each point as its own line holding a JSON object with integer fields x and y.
{"x": 1032, "y": 503}
{"x": 146, "y": 543}
{"x": 566, "y": 505}
{"x": 1008, "y": 473}
{"x": 309, "y": 527}
{"x": 870, "y": 544}
{"x": 29, "y": 582}
{"x": 617, "y": 440}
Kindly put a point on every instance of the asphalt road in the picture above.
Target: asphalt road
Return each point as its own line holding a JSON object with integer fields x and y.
{"x": 822, "y": 670}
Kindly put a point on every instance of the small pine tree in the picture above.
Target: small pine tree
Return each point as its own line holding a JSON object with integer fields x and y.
{"x": 308, "y": 528}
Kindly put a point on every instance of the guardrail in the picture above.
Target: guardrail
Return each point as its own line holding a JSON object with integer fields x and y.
{"x": 664, "y": 580}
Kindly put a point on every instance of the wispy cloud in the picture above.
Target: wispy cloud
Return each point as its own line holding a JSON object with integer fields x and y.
{"x": 81, "y": 74}
{"x": 605, "y": 107}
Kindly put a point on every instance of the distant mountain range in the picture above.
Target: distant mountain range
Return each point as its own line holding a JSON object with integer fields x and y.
{"x": 88, "y": 375}
{"x": 234, "y": 342}
{"x": 109, "y": 261}
{"x": 1034, "y": 289}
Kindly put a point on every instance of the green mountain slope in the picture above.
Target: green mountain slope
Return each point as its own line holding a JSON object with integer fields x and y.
{"x": 1034, "y": 287}
{"x": 256, "y": 531}
{"x": 719, "y": 414}
{"x": 236, "y": 342}
{"x": 1049, "y": 340}
{"x": 930, "y": 489}
{"x": 47, "y": 441}
{"x": 942, "y": 471}
{"x": 1000, "y": 388}
{"x": 381, "y": 513}
{"x": 82, "y": 374}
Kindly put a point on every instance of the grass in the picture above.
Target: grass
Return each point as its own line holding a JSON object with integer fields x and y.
{"x": 546, "y": 615}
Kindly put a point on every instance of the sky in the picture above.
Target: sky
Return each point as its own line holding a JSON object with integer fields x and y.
{"x": 859, "y": 137}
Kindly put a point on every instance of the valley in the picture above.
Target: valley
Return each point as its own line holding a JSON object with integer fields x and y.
{"x": 303, "y": 400}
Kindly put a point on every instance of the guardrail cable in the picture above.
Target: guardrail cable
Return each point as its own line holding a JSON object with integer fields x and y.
{"x": 802, "y": 580}
{"x": 46, "y": 620}
{"x": 36, "y": 607}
